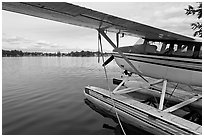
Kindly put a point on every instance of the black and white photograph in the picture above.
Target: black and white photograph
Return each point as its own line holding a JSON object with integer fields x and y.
{"x": 102, "y": 68}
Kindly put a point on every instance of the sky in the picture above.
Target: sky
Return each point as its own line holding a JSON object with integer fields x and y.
{"x": 26, "y": 33}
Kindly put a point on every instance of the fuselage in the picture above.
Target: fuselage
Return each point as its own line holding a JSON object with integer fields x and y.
{"x": 180, "y": 69}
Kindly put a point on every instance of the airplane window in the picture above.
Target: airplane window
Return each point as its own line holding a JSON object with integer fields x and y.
{"x": 140, "y": 41}
{"x": 176, "y": 47}
{"x": 197, "y": 51}
{"x": 189, "y": 51}
{"x": 167, "y": 46}
{"x": 200, "y": 54}
{"x": 182, "y": 50}
{"x": 151, "y": 47}
{"x": 163, "y": 47}
{"x": 157, "y": 45}
{"x": 150, "y": 42}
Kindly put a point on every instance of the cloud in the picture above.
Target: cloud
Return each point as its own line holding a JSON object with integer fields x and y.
{"x": 20, "y": 43}
{"x": 173, "y": 11}
{"x": 14, "y": 39}
{"x": 171, "y": 16}
{"x": 46, "y": 45}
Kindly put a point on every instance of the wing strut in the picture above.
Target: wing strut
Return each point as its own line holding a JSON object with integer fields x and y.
{"x": 161, "y": 103}
{"x": 120, "y": 52}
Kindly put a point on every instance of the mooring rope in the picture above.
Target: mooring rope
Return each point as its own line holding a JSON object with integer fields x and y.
{"x": 106, "y": 75}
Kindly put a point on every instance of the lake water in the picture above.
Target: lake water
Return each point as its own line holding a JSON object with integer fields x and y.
{"x": 44, "y": 95}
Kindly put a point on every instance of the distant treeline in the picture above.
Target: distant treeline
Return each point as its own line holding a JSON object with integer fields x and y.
{"x": 19, "y": 53}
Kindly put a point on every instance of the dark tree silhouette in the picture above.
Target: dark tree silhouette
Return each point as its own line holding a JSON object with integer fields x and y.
{"x": 197, "y": 26}
{"x": 19, "y": 53}
{"x": 58, "y": 54}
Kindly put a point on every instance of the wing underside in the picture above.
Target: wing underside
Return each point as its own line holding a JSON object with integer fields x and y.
{"x": 80, "y": 16}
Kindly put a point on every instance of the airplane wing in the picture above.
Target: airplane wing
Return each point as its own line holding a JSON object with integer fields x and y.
{"x": 81, "y": 16}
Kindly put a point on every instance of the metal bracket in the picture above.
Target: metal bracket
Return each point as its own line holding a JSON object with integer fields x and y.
{"x": 116, "y": 89}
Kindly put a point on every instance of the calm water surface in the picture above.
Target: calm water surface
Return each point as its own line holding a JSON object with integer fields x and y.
{"x": 44, "y": 95}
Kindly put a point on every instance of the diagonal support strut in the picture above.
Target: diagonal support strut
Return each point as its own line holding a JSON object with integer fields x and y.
{"x": 120, "y": 52}
{"x": 182, "y": 104}
{"x": 161, "y": 103}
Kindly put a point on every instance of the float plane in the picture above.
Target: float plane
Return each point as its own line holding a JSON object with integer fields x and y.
{"x": 166, "y": 56}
